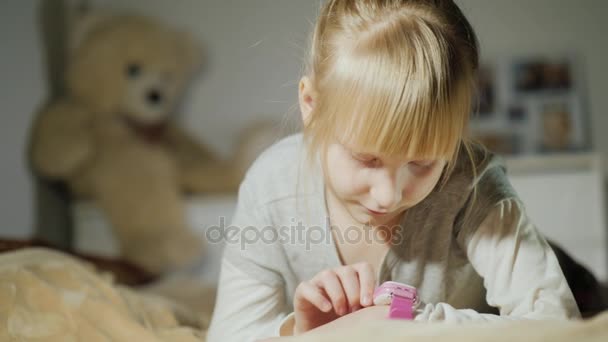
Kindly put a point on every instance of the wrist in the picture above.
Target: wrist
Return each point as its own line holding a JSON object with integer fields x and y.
{"x": 403, "y": 299}
{"x": 288, "y": 326}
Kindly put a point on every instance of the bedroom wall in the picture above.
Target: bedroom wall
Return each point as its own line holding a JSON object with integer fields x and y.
{"x": 519, "y": 27}
{"x": 255, "y": 48}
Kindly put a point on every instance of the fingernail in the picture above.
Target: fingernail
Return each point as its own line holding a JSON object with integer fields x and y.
{"x": 366, "y": 300}
{"x": 326, "y": 307}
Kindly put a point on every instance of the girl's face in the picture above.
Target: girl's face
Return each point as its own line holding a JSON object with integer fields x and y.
{"x": 376, "y": 190}
{"x": 371, "y": 189}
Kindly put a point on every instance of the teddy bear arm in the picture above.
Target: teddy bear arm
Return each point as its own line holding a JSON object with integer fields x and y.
{"x": 60, "y": 141}
{"x": 186, "y": 148}
{"x": 216, "y": 177}
{"x": 201, "y": 170}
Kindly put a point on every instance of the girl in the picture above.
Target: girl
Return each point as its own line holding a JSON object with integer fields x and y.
{"x": 383, "y": 184}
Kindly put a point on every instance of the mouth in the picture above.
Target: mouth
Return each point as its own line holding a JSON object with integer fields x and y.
{"x": 376, "y": 213}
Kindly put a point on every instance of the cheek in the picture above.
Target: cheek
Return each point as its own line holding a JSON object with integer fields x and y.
{"x": 172, "y": 90}
{"x": 418, "y": 189}
{"x": 345, "y": 179}
{"x": 357, "y": 185}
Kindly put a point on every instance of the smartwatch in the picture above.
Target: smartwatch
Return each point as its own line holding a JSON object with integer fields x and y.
{"x": 402, "y": 298}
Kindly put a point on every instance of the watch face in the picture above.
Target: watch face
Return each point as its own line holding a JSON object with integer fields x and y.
{"x": 384, "y": 293}
{"x": 383, "y": 299}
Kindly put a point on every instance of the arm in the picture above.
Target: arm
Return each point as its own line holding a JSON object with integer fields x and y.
{"x": 186, "y": 148}
{"x": 200, "y": 169}
{"x": 246, "y": 308}
{"x": 251, "y": 301}
{"x": 60, "y": 140}
{"x": 521, "y": 274}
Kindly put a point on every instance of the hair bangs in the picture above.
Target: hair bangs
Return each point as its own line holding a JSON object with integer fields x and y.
{"x": 394, "y": 106}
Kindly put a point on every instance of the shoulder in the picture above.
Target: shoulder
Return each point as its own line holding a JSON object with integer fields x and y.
{"x": 490, "y": 181}
{"x": 480, "y": 171}
{"x": 275, "y": 172}
{"x": 482, "y": 177}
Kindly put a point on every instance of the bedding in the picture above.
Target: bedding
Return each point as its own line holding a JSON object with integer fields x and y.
{"x": 50, "y": 296}
{"x": 593, "y": 330}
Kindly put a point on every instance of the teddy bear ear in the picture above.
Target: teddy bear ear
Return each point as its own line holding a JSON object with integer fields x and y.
{"x": 190, "y": 50}
{"x": 82, "y": 20}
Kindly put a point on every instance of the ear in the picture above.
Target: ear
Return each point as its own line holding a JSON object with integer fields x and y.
{"x": 190, "y": 51}
{"x": 82, "y": 21}
{"x": 307, "y": 98}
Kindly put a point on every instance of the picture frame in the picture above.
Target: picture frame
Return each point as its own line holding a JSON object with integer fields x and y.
{"x": 531, "y": 105}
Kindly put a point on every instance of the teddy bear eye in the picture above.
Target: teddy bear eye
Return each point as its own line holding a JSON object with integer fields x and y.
{"x": 133, "y": 70}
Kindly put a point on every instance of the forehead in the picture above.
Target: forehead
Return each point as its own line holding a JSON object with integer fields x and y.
{"x": 354, "y": 148}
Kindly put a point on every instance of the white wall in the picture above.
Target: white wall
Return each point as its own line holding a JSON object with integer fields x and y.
{"x": 519, "y": 27}
{"x": 256, "y": 47}
{"x": 22, "y": 89}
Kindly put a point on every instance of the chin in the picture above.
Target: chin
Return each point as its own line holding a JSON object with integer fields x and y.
{"x": 359, "y": 216}
{"x": 367, "y": 219}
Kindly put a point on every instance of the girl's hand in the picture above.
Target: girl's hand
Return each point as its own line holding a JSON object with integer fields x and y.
{"x": 372, "y": 313}
{"x": 332, "y": 293}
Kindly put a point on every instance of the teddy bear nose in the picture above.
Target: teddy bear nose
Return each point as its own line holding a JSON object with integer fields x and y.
{"x": 154, "y": 97}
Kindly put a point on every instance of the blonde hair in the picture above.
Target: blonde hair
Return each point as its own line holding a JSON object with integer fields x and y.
{"x": 392, "y": 77}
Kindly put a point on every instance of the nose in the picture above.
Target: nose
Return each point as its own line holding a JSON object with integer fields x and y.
{"x": 154, "y": 96}
{"x": 386, "y": 190}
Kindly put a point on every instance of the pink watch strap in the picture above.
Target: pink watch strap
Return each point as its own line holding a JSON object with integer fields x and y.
{"x": 401, "y": 308}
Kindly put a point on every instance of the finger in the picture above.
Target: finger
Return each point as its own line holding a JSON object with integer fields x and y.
{"x": 367, "y": 282}
{"x": 314, "y": 295}
{"x": 330, "y": 283}
{"x": 350, "y": 283}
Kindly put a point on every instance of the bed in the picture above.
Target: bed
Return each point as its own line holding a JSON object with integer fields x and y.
{"x": 50, "y": 296}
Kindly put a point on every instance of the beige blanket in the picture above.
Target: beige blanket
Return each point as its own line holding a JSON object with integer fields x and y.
{"x": 49, "y": 296}
{"x": 594, "y": 330}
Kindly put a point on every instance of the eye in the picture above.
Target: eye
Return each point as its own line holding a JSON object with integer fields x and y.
{"x": 133, "y": 70}
{"x": 422, "y": 164}
{"x": 367, "y": 160}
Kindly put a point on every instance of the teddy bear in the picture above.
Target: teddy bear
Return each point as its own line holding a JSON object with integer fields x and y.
{"x": 112, "y": 137}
